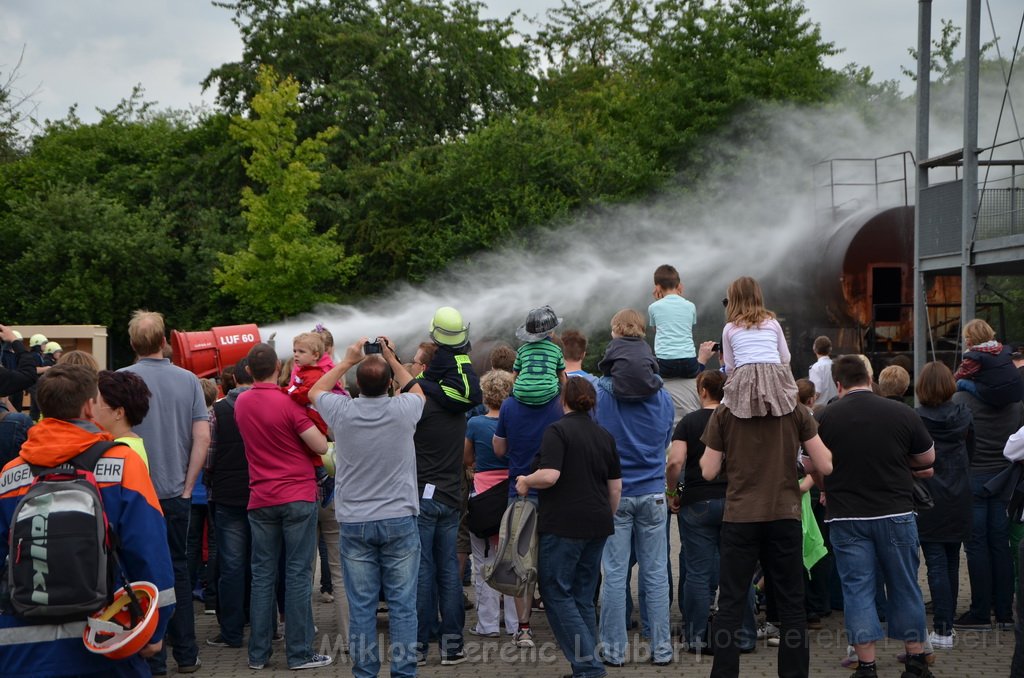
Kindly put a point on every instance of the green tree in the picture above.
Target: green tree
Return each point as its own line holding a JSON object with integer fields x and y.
{"x": 287, "y": 266}
{"x": 146, "y": 198}
{"x": 943, "y": 54}
{"x": 393, "y": 75}
{"x": 595, "y": 33}
{"x": 859, "y": 91}
{"x": 87, "y": 259}
{"x": 13, "y": 104}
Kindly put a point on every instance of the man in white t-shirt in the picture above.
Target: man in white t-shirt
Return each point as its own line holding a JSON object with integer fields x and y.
{"x": 820, "y": 373}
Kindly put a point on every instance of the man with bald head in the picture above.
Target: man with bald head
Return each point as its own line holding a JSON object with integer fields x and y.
{"x": 376, "y": 501}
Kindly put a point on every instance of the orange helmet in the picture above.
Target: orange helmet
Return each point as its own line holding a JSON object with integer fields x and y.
{"x": 117, "y": 631}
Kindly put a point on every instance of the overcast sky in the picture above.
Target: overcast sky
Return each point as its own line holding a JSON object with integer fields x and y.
{"x": 92, "y": 53}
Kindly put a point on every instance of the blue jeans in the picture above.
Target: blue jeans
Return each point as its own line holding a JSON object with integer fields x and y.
{"x": 862, "y": 547}
{"x": 645, "y": 517}
{"x": 439, "y": 585}
{"x": 942, "y": 560}
{"x": 181, "y": 631}
{"x": 645, "y": 627}
{"x": 374, "y": 555}
{"x": 568, "y": 570}
{"x": 989, "y": 565}
{"x": 702, "y": 525}
{"x": 290, "y": 528}
{"x": 968, "y": 386}
{"x": 234, "y": 539}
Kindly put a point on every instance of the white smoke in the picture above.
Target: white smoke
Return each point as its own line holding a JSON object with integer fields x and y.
{"x": 752, "y": 213}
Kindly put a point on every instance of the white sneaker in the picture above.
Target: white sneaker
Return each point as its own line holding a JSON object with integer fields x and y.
{"x": 767, "y": 630}
{"x": 315, "y": 662}
{"x": 523, "y": 638}
{"x": 326, "y": 597}
{"x": 480, "y": 634}
{"x": 942, "y": 642}
{"x": 850, "y": 661}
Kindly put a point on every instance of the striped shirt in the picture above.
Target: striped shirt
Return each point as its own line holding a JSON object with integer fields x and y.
{"x": 538, "y": 364}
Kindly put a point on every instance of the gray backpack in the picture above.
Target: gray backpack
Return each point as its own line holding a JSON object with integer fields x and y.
{"x": 515, "y": 566}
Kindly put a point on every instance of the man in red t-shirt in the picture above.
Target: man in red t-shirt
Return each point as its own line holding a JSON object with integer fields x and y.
{"x": 281, "y": 444}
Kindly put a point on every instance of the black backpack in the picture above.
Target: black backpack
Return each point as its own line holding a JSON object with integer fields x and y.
{"x": 62, "y": 553}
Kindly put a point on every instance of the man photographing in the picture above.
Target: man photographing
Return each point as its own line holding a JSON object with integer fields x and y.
{"x": 376, "y": 500}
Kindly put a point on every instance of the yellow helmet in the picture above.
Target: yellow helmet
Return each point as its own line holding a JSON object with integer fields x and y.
{"x": 37, "y": 340}
{"x": 52, "y": 347}
{"x": 447, "y": 328}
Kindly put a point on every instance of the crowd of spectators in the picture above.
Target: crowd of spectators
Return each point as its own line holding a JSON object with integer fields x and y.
{"x": 796, "y": 496}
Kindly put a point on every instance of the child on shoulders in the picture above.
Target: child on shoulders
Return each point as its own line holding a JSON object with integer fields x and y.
{"x": 449, "y": 379}
{"x": 539, "y": 369}
{"x": 755, "y": 355}
{"x": 673, "y": 317}
{"x": 307, "y": 349}
{"x": 987, "y": 371}
{"x": 325, "y": 362}
{"x": 629, "y": 368}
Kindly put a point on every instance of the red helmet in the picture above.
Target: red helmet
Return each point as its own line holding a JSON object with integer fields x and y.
{"x": 117, "y": 631}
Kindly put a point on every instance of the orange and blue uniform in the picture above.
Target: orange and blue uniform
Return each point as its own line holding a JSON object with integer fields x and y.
{"x": 133, "y": 511}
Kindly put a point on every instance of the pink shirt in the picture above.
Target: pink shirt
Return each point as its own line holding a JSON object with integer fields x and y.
{"x": 280, "y": 463}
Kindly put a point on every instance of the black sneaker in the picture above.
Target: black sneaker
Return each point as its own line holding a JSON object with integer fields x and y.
{"x": 453, "y": 659}
{"x": 314, "y": 662}
{"x": 192, "y": 668}
{"x": 218, "y": 641}
{"x": 970, "y": 622}
{"x": 917, "y": 668}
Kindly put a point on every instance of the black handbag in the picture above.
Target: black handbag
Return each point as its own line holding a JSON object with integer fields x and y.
{"x": 485, "y": 510}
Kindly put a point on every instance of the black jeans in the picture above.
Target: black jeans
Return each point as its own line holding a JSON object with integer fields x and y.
{"x": 1017, "y": 664}
{"x": 678, "y": 368}
{"x": 181, "y": 631}
{"x": 202, "y": 574}
{"x": 779, "y": 546}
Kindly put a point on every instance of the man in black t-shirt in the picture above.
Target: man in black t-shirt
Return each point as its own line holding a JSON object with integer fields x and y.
{"x": 878, "y": 447}
{"x": 440, "y": 440}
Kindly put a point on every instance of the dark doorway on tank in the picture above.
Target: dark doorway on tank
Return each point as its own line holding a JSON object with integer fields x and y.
{"x": 886, "y": 292}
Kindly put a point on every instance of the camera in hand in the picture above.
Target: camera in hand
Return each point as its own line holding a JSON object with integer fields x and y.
{"x": 716, "y": 348}
{"x": 373, "y": 346}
